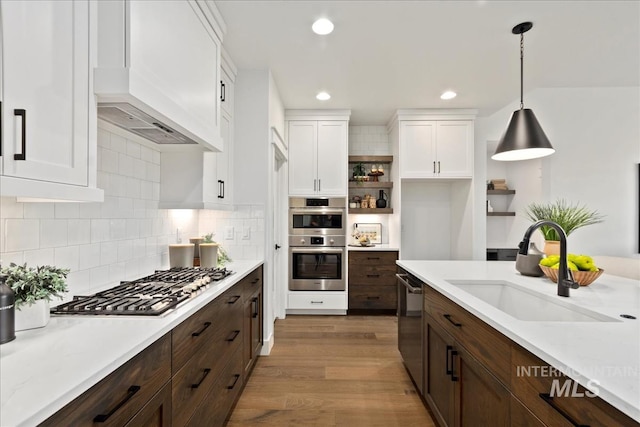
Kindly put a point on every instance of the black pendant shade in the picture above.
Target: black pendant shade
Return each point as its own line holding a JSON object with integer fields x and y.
{"x": 524, "y": 137}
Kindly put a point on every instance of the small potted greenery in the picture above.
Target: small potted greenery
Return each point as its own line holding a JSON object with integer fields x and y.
{"x": 211, "y": 253}
{"x": 33, "y": 289}
{"x": 567, "y": 215}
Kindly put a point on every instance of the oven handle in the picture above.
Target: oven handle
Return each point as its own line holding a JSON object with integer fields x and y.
{"x": 413, "y": 290}
{"x": 323, "y": 250}
{"x": 315, "y": 210}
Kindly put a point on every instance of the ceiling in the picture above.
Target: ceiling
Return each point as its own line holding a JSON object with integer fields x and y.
{"x": 386, "y": 55}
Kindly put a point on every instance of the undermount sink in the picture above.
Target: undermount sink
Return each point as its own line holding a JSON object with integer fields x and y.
{"x": 527, "y": 305}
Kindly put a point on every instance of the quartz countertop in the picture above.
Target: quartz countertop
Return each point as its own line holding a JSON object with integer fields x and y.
{"x": 376, "y": 247}
{"x": 605, "y": 352}
{"x": 44, "y": 369}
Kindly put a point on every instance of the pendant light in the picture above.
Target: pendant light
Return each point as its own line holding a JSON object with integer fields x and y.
{"x": 524, "y": 138}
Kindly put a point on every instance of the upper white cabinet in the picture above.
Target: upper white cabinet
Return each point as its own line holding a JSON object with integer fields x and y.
{"x": 48, "y": 111}
{"x": 318, "y": 153}
{"x": 436, "y": 148}
{"x": 163, "y": 59}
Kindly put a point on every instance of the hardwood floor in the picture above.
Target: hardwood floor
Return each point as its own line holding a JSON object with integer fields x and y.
{"x": 332, "y": 371}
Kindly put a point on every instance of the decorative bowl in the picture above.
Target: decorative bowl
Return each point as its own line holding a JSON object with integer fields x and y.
{"x": 583, "y": 278}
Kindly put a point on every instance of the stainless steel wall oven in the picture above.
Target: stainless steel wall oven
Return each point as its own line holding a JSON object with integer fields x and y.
{"x": 317, "y": 244}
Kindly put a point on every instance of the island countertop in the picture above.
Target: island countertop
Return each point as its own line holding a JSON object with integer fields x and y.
{"x": 44, "y": 369}
{"x": 605, "y": 352}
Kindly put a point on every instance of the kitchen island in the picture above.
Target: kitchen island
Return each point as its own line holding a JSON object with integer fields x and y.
{"x": 602, "y": 353}
{"x": 44, "y": 369}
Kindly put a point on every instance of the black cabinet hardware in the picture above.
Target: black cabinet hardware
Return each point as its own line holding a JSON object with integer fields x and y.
{"x": 19, "y": 112}
{"x": 204, "y": 375}
{"x": 101, "y": 418}
{"x": 454, "y": 323}
{"x": 204, "y": 326}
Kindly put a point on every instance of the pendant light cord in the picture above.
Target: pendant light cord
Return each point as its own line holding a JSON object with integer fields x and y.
{"x": 521, "y": 69}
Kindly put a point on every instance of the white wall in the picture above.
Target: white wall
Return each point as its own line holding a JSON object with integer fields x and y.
{"x": 596, "y": 134}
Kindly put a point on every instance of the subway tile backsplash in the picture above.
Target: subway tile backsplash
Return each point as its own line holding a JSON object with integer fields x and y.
{"x": 126, "y": 236}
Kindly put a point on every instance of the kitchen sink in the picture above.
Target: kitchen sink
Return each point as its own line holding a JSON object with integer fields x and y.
{"x": 527, "y": 305}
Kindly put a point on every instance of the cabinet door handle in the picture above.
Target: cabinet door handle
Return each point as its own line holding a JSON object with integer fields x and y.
{"x": 449, "y": 361}
{"x": 219, "y": 189}
{"x": 204, "y": 327}
{"x": 549, "y": 400}
{"x": 223, "y": 91}
{"x": 314, "y": 184}
{"x": 223, "y": 189}
{"x": 453, "y": 375}
{"x": 254, "y": 301}
{"x": 319, "y": 185}
{"x": 20, "y": 112}
{"x": 235, "y": 380}
{"x": 438, "y": 166}
{"x": 453, "y": 322}
{"x": 204, "y": 375}
{"x": 434, "y": 167}
{"x": 233, "y": 336}
{"x": 101, "y": 418}
{"x": 233, "y": 299}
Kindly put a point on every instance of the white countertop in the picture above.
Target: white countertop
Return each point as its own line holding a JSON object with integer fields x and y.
{"x": 376, "y": 247}
{"x": 607, "y": 352}
{"x": 44, "y": 369}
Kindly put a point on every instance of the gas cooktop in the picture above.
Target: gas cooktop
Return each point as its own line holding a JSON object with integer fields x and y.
{"x": 152, "y": 295}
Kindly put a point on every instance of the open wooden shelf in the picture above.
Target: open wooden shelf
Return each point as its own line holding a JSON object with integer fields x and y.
{"x": 371, "y": 211}
{"x": 501, "y": 214}
{"x": 370, "y": 184}
{"x": 503, "y": 192}
{"x": 370, "y": 159}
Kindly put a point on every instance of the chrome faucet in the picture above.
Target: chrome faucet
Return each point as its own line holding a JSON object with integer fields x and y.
{"x": 565, "y": 278}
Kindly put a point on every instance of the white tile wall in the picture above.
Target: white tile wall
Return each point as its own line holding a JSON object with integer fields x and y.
{"x": 369, "y": 140}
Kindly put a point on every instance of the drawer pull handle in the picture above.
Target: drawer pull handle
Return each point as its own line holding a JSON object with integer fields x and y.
{"x": 317, "y": 302}
{"x": 233, "y": 299}
{"x": 373, "y": 275}
{"x": 20, "y": 112}
{"x": 204, "y": 327}
{"x": 454, "y": 323}
{"x": 101, "y": 418}
{"x": 373, "y": 257}
{"x": 236, "y": 377}
{"x": 373, "y": 297}
{"x": 256, "y": 280}
{"x": 549, "y": 400}
{"x": 233, "y": 336}
{"x": 204, "y": 375}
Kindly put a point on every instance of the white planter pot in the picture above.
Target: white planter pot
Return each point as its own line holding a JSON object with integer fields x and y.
{"x": 32, "y": 316}
{"x": 208, "y": 255}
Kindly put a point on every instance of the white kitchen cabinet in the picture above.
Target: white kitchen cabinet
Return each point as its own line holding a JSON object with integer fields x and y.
{"x": 162, "y": 58}
{"x": 48, "y": 111}
{"x": 318, "y": 157}
{"x": 436, "y": 149}
{"x": 317, "y": 302}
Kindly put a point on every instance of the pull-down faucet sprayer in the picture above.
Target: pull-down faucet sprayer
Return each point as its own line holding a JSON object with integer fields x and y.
{"x": 565, "y": 279}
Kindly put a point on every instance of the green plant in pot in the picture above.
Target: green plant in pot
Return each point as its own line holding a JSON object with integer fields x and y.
{"x": 569, "y": 216}
{"x": 34, "y": 288}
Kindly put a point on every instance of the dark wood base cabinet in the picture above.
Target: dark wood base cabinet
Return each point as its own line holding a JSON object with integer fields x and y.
{"x": 372, "y": 282}
{"x": 471, "y": 377}
{"x": 192, "y": 376}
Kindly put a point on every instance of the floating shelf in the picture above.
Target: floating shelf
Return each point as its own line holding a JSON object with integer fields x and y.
{"x": 503, "y": 192}
{"x": 371, "y": 211}
{"x": 370, "y": 159}
{"x": 501, "y": 214}
{"x": 368, "y": 184}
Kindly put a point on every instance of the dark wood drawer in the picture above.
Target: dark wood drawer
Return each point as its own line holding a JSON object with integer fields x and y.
{"x": 532, "y": 381}
{"x": 485, "y": 343}
{"x": 192, "y": 334}
{"x": 382, "y": 275}
{"x": 373, "y": 297}
{"x": 374, "y": 258}
{"x": 119, "y": 396}
{"x": 252, "y": 283}
{"x": 217, "y": 404}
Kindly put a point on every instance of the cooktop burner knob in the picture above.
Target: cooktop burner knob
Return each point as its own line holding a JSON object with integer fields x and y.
{"x": 302, "y": 241}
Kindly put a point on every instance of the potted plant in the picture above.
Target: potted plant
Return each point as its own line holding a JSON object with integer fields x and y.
{"x": 211, "y": 253}
{"x": 567, "y": 215}
{"x": 33, "y": 289}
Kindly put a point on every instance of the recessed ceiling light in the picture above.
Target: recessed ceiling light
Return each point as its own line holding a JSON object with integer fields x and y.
{"x": 323, "y": 96}
{"x": 322, "y": 26}
{"x": 448, "y": 95}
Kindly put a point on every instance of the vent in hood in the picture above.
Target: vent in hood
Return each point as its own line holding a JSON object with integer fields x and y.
{"x": 134, "y": 120}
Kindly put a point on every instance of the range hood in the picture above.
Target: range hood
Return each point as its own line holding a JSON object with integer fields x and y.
{"x": 149, "y": 78}
{"x": 132, "y": 119}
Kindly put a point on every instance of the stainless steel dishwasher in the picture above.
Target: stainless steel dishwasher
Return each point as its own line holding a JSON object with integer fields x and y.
{"x": 410, "y": 324}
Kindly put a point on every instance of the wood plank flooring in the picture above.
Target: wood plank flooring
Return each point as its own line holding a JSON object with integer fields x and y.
{"x": 332, "y": 371}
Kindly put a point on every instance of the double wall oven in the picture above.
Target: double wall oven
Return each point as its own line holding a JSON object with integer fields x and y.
{"x": 317, "y": 244}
